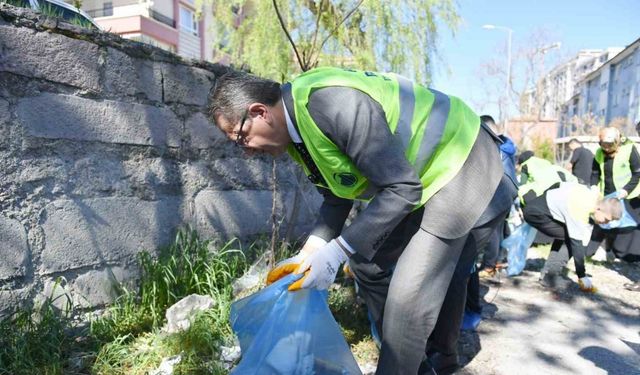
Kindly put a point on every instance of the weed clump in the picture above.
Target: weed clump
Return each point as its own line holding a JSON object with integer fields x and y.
{"x": 34, "y": 340}
{"x": 126, "y": 338}
{"x": 129, "y": 332}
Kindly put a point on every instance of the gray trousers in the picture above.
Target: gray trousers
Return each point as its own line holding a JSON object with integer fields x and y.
{"x": 415, "y": 285}
{"x": 423, "y": 296}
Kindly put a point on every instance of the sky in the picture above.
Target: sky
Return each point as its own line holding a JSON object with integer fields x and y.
{"x": 576, "y": 24}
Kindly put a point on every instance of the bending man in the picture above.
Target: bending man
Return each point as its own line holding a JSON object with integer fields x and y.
{"x": 564, "y": 213}
{"x": 432, "y": 176}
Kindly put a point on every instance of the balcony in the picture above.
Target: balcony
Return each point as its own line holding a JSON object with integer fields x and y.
{"x": 128, "y": 8}
{"x": 137, "y": 19}
{"x": 162, "y": 18}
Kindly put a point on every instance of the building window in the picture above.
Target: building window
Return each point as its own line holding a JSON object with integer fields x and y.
{"x": 107, "y": 9}
{"x": 188, "y": 21}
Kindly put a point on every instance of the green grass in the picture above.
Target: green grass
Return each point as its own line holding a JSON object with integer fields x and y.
{"x": 36, "y": 340}
{"x": 198, "y": 347}
{"x": 129, "y": 332}
{"x": 55, "y": 12}
{"x": 127, "y": 338}
{"x": 351, "y": 315}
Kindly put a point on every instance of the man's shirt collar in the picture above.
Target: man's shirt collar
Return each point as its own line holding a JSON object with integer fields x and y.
{"x": 293, "y": 133}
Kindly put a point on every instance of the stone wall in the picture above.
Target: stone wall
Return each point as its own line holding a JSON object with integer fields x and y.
{"x": 105, "y": 150}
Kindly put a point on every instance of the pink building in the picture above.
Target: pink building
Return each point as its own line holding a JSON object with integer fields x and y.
{"x": 174, "y": 25}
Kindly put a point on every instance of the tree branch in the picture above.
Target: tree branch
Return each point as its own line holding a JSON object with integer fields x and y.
{"x": 339, "y": 24}
{"x": 315, "y": 33}
{"x": 284, "y": 28}
{"x": 274, "y": 216}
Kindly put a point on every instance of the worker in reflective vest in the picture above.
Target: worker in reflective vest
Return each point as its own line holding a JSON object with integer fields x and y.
{"x": 431, "y": 174}
{"x": 616, "y": 169}
{"x": 538, "y": 175}
{"x": 616, "y": 165}
{"x": 565, "y": 213}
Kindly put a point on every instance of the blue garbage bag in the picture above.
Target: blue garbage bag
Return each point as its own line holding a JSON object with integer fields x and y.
{"x": 517, "y": 245}
{"x": 625, "y": 221}
{"x": 289, "y": 333}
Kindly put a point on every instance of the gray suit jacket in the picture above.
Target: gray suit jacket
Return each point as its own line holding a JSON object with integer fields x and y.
{"x": 357, "y": 125}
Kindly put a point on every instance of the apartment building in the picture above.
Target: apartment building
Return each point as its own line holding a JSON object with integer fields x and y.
{"x": 556, "y": 88}
{"x": 609, "y": 94}
{"x": 179, "y": 26}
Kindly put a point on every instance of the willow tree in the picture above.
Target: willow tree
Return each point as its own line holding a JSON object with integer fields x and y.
{"x": 279, "y": 38}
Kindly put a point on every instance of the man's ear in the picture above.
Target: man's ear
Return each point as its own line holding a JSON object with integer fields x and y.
{"x": 258, "y": 110}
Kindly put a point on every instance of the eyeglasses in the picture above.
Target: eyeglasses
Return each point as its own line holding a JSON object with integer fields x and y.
{"x": 240, "y": 138}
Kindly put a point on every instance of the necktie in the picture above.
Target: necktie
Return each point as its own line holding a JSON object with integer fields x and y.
{"x": 315, "y": 177}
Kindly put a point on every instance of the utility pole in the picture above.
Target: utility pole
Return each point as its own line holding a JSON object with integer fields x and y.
{"x": 507, "y": 93}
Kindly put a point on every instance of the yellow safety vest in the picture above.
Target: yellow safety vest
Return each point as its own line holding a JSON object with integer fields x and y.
{"x": 436, "y": 130}
{"x": 621, "y": 169}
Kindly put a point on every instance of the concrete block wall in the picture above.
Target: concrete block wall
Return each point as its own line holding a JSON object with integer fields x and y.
{"x": 105, "y": 150}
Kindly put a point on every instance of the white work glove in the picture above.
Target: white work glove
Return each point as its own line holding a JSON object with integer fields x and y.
{"x": 586, "y": 285}
{"x": 622, "y": 194}
{"x": 320, "y": 268}
{"x": 289, "y": 265}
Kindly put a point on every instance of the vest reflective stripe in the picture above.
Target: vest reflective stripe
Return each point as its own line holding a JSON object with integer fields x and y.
{"x": 435, "y": 127}
{"x": 407, "y": 106}
{"x": 621, "y": 169}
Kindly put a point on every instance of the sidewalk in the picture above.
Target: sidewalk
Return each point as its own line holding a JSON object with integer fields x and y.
{"x": 527, "y": 329}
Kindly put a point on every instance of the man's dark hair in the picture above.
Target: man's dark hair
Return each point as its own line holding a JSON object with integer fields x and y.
{"x": 524, "y": 156}
{"x": 234, "y": 91}
{"x": 488, "y": 120}
{"x": 575, "y": 140}
{"x": 638, "y": 128}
